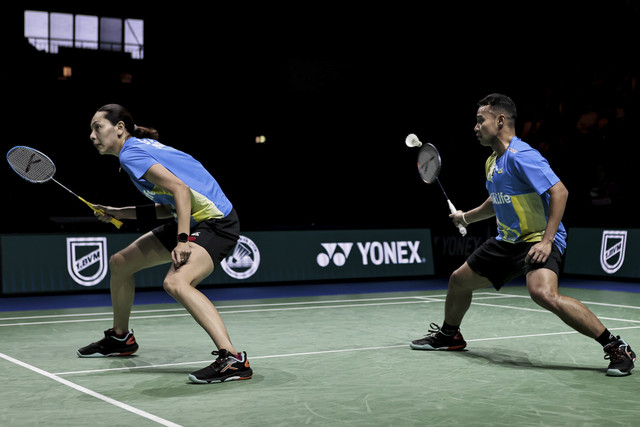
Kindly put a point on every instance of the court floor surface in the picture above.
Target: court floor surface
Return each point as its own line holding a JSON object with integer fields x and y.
{"x": 321, "y": 359}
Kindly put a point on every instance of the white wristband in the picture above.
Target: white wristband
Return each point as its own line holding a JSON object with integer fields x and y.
{"x": 465, "y": 220}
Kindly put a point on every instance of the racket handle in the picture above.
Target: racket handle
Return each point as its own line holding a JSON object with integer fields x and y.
{"x": 453, "y": 210}
{"x": 113, "y": 221}
{"x": 118, "y": 223}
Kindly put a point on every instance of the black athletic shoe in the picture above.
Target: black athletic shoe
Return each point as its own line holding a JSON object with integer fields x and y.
{"x": 436, "y": 340}
{"x": 621, "y": 358}
{"x": 111, "y": 345}
{"x": 225, "y": 368}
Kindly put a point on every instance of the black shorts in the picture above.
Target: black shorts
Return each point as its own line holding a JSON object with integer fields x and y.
{"x": 218, "y": 236}
{"x": 501, "y": 262}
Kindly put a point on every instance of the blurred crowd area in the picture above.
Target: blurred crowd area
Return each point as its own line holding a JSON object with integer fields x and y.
{"x": 335, "y": 107}
{"x": 587, "y": 124}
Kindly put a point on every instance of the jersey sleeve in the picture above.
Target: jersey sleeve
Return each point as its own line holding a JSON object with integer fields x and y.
{"x": 535, "y": 170}
{"x": 137, "y": 160}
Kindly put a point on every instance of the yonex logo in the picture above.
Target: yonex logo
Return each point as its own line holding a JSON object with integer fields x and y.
{"x": 31, "y": 162}
{"x": 243, "y": 261}
{"x": 376, "y": 253}
{"x": 338, "y": 258}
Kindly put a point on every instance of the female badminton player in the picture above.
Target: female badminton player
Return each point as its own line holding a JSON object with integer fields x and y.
{"x": 205, "y": 228}
{"x": 528, "y": 200}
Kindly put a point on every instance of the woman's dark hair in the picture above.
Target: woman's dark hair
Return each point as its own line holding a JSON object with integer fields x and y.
{"x": 500, "y": 104}
{"x": 117, "y": 113}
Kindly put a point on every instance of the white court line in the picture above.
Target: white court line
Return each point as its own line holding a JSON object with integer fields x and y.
{"x": 52, "y": 322}
{"x": 431, "y": 298}
{"x": 538, "y": 310}
{"x": 220, "y": 307}
{"x": 92, "y": 393}
{"x": 420, "y": 300}
{"x": 314, "y": 353}
{"x": 605, "y": 304}
{"x": 57, "y": 316}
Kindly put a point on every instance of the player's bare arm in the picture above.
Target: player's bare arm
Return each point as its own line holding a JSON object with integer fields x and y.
{"x": 163, "y": 178}
{"x": 129, "y": 212}
{"x": 482, "y": 212}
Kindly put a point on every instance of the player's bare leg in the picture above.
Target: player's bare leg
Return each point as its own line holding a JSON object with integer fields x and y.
{"x": 462, "y": 283}
{"x": 543, "y": 288}
{"x": 146, "y": 251}
{"x": 181, "y": 284}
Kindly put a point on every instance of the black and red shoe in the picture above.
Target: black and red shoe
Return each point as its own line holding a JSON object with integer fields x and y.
{"x": 226, "y": 367}
{"x": 437, "y": 340}
{"x": 620, "y": 357}
{"x": 111, "y": 345}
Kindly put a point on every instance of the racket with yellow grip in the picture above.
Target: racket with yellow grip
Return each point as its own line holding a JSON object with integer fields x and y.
{"x": 36, "y": 167}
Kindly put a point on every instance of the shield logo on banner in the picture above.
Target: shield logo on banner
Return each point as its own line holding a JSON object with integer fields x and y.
{"x": 612, "y": 251}
{"x": 87, "y": 259}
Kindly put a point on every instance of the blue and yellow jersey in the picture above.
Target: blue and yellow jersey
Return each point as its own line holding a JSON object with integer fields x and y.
{"x": 518, "y": 184}
{"x": 207, "y": 199}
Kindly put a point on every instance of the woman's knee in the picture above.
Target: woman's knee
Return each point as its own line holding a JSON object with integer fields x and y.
{"x": 118, "y": 264}
{"x": 172, "y": 286}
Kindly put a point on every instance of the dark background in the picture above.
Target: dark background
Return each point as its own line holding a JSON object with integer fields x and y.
{"x": 335, "y": 91}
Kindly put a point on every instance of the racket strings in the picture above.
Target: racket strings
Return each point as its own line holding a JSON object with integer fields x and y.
{"x": 31, "y": 165}
{"x": 428, "y": 164}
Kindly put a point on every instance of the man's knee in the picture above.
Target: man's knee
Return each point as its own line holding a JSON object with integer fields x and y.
{"x": 461, "y": 279}
{"x": 543, "y": 288}
{"x": 455, "y": 280}
{"x": 544, "y": 297}
{"x": 464, "y": 279}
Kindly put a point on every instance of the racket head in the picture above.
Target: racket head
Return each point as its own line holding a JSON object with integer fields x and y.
{"x": 31, "y": 164}
{"x": 429, "y": 163}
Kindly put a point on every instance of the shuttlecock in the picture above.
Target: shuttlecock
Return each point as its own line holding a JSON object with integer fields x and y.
{"x": 412, "y": 141}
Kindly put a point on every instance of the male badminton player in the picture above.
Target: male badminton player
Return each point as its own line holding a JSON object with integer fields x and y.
{"x": 205, "y": 229}
{"x": 528, "y": 200}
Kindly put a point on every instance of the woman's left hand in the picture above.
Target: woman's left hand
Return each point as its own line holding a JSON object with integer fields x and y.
{"x": 181, "y": 254}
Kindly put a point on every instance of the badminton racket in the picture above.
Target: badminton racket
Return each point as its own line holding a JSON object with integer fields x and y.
{"x": 36, "y": 167}
{"x": 429, "y": 164}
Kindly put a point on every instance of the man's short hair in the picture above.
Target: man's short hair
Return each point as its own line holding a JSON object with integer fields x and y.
{"x": 500, "y": 104}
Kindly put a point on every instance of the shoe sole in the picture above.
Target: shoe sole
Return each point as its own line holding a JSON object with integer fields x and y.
{"x": 129, "y": 353}
{"x": 618, "y": 373}
{"x": 428, "y": 347}
{"x": 222, "y": 380}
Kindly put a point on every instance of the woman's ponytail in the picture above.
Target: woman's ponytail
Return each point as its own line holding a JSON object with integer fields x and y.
{"x": 145, "y": 132}
{"x": 117, "y": 113}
